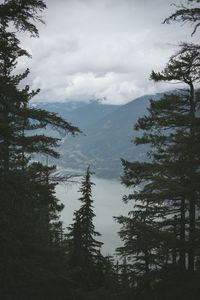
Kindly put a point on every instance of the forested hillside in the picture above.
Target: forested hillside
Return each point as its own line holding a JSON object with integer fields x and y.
{"x": 107, "y": 135}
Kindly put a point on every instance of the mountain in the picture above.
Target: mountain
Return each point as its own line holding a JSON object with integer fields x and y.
{"x": 62, "y": 108}
{"x": 106, "y": 140}
{"x": 80, "y": 114}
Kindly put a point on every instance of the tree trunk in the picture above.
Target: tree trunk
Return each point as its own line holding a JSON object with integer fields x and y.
{"x": 192, "y": 202}
{"x": 182, "y": 235}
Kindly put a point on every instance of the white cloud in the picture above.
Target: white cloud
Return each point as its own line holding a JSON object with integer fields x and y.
{"x": 101, "y": 49}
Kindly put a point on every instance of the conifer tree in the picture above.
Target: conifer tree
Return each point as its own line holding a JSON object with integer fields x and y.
{"x": 30, "y": 259}
{"x": 185, "y": 67}
{"x": 83, "y": 248}
{"x": 158, "y": 232}
{"x": 22, "y": 14}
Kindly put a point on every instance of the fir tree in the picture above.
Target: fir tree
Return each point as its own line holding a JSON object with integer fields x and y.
{"x": 162, "y": 228}
{"x": 83, "y": 248}
{"x": 31, "y": 256}
{"x": 184, "y": 67}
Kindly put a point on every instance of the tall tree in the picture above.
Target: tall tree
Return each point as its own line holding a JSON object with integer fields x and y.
{"x": 185, "y": 67}
{"x": 29, "y": 260}
{"x": 166, "y": 188}
{"x": 83, "y": 248}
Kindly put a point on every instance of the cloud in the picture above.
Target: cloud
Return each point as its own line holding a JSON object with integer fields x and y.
{"x": 105, "y": 49}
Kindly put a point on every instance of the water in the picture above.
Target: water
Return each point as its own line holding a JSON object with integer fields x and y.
{"x": 107, "y": 196}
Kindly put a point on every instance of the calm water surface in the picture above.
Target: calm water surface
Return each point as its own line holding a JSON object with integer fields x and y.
{"x": 107, "y": 196}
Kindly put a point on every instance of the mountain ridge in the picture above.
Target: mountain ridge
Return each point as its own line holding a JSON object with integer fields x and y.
{"x": 108, "y": 140}
{"x": 107, "y": 135}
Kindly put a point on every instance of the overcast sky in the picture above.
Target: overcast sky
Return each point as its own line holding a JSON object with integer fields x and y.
{"x": 102, "y": 49}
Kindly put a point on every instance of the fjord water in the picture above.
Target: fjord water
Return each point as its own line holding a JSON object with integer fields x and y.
{"x": 107, "y": 196}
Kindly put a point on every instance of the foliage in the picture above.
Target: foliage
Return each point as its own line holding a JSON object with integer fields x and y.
{"x": 161, "y": 232}
{"x": 31, "y": 256}
{"x": 83, "y": 248}
{"x": 189, "y": 12}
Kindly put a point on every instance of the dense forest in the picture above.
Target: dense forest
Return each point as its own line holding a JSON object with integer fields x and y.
{"x": 160, "y": 253}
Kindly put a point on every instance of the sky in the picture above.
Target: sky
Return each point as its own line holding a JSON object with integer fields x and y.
{"x": 91, "y": 49}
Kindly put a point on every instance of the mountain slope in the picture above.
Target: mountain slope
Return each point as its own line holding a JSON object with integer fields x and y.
{"x": 79, "y": 113}
{"x": 107, "y": 140}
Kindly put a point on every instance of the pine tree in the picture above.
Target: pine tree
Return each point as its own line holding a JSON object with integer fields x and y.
{"x": 162, "y": 228}
{"x": 31, "y": 258}
{"x": 83, "y": 248}
{"x": 184, "y": 66}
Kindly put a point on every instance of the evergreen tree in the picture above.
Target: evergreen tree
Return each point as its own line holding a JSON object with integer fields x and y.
{"x": 31, "y": 257}
{"x": 162, "y": 228}
{"x": 83, "y": 248}
{"x": 22, "y": 14}
{"x": 184, "y": 66}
